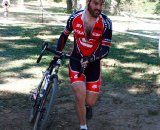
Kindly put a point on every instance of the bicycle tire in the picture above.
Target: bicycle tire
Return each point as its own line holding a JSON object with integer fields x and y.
{"x": 34, "y": 109}
{"x": 47, "y": 104}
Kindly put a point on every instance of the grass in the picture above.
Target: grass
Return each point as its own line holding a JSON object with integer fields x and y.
{"x": 132, "y": 59}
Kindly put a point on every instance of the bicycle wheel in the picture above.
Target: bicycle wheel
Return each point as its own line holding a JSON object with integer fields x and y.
{"x": 36, "y": 101}
{"x": 46, "y": 106}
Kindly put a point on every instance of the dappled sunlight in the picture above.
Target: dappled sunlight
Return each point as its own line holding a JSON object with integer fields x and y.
{"x": 13, "y": 21}
{"x": 20, "y": 85}
{"x": 131, "y": 57}
{"x": 135, "y": 89}
{"x": 24, "y": 46}
{"x": 145, "y": 51}
{"x": 28, "y": 26}
{"x": 114, "y": 62}
{"x": 17, "y": 63}
{"x": 134, "y": 65}
{"x": 137, "y": 75}
{"x": 158, "y": 91}
{"x": 158, "y": 79}
{"x": 44, "y": 37}
{"x": 14, "y": 38}
{"x": 153, "y": 70}
{"x": 45, "y": 32}
{"x": 110, "y": 62}
{"x": 35, "y": 71}
{"x": 124, "y": 45}
{"x": 144, "y": 89}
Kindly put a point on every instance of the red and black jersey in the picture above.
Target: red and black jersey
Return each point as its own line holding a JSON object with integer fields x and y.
{"x": 99, "y": 40}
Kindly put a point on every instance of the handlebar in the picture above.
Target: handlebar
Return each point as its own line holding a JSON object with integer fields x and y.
{"x": 46, "y": 48}
{"x": 60, "y": 54}
{"x": 42, "y": 52}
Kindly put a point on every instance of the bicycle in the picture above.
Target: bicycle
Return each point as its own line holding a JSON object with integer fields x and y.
{"x": 44, "y": 96}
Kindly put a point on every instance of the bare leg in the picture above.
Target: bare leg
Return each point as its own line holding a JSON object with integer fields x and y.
{"x": 79, "y": 90}
{"x": 5, "y": 11}
{"x": 91, "y": 98}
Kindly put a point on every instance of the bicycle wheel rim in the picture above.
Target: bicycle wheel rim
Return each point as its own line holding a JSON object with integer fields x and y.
{"x": 51, "y": 102}
{"x": 35, "y": 105}
{"x": 47, "y": 104}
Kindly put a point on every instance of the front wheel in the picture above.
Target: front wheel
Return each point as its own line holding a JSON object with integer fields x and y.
{"x": 36, "y": 100}
{"x": 46, "y": 106}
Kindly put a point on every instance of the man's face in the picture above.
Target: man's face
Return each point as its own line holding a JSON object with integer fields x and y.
{"x": 95, "y": 7}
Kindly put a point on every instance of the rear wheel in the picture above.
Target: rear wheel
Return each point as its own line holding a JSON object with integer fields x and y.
{"x": 46, "y": 106}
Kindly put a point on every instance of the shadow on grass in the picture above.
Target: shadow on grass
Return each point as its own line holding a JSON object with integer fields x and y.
{"x": 27, "y": 46}
{"x": 23, "y": 43}
{"x": 136, "y": 58}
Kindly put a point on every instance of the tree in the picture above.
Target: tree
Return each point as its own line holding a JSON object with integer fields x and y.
{"x": 74, "y": 4}
{"x": 69, "y": 6}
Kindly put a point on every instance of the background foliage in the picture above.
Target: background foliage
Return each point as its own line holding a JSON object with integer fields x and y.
{"x": 135, "y": 6}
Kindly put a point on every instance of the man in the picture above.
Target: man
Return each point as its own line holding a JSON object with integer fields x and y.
{"x": 92, "y": 39}
{"x": 6, "y": 4}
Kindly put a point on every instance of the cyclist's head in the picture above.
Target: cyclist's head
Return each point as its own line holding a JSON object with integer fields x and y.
{"x": 95, "y": 7}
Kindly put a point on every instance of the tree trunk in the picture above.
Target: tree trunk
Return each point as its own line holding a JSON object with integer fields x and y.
{"x": 75, "y": 4}
{"x": 69, "y": 6}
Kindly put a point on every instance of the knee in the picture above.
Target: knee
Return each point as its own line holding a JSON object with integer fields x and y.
{"x": 91, "y": 98}
{"x": 79, "y": 91}
{"x": 90, "y": 103}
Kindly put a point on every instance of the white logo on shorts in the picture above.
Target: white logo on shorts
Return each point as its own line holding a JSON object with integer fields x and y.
{"x": 76, "y": 76}
{"x": 94, "y": 86}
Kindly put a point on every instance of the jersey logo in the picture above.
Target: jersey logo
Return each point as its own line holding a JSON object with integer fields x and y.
{"x": 76, "y": 76}
{"x": 79, "y": 32}
{"x": 94, "y": 86}
{"x": 79, "y": 26}
{"x": 84, "y": 43}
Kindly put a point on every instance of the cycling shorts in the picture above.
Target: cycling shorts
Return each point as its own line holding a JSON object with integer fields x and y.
{"x": 91, "y": 76}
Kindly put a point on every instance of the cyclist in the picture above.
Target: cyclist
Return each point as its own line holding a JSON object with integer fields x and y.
{"x": 92, "y": 39}
{"x": 6, "y": 4}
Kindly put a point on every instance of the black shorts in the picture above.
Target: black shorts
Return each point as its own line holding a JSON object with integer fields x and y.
{"x": 92, "y": 74}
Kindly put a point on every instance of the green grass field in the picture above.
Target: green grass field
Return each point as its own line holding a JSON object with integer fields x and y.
{"x": 132, "y": 59}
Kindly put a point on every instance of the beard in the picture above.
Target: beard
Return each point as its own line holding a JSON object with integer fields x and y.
{"x": 94, "y": 13}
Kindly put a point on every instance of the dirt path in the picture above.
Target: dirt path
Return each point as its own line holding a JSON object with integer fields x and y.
{"x": 115, "y": 110}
